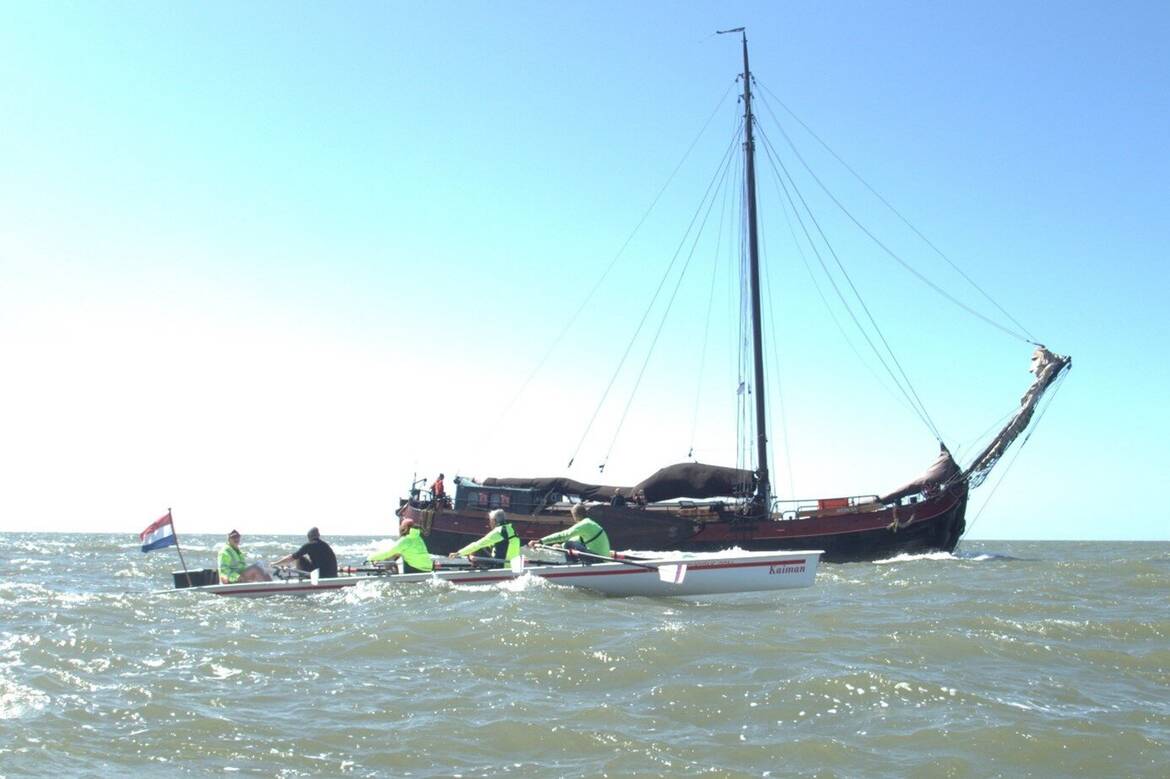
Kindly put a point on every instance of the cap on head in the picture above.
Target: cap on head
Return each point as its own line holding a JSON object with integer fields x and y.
{"x": 233, "y": 534}
{"x": 314, "y": 534}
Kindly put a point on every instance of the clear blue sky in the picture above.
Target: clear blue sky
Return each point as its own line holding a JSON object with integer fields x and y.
{"x": 260, "y": 262}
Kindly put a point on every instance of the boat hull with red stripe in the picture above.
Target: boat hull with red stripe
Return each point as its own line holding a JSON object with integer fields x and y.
{"x": 713, "y": 573}
{"x": 681, "y": 575}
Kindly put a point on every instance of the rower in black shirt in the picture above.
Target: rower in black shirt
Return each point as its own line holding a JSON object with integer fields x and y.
{"x": 316, "y": 554}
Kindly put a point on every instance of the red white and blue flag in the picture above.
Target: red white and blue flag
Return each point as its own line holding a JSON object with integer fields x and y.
{"x": 160, "y": 533}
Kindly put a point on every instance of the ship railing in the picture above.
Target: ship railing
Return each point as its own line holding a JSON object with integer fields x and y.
{"x": 827, "y": 507}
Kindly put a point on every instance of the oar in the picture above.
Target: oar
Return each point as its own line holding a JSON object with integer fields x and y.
{"x": 286, "y": 573}
{"x": 672, "y": 573}
{"x": 512, "y": 563}
{"x": 506, "y": 563}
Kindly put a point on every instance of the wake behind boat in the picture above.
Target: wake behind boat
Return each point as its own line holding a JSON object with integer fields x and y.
{"x": 669, "y": 574}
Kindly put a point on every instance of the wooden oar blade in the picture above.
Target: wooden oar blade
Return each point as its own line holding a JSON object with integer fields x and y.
{"x": 672, "y": 574}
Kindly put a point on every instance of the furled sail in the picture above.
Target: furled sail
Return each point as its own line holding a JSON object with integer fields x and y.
{"x": 1047, "y": 366}
{"x": 684, "y": 480}
{"x": 556, "y": 485}
{"x": 696, "y": 480}
{"x": 943, "y": 470}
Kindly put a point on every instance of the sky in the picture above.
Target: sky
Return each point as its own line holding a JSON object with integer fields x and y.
{"x": 265, "y": 264}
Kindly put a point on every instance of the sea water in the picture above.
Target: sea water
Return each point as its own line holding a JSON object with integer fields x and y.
{"x": 1006, "y": 659}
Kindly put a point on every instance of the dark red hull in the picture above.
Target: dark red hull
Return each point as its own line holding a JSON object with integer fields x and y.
{"x": 932, "y": 524}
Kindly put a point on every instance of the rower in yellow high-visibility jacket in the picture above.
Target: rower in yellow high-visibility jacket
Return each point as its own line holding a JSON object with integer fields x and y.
{"x": 502, "y": 539}
{"x": 585, "y": 536}
{"x": 411, "y": 548}
{"x": 233, "y": 568}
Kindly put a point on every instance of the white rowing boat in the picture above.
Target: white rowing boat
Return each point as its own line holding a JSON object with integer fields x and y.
{"x": 671, "y": 574}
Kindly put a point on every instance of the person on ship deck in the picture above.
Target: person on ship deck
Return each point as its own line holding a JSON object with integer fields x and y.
{"x": 439, "y": 492}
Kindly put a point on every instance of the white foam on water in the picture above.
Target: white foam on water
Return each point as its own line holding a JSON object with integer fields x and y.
{"x": 16, "y": 700}
{"x": 523, "y": 583}
{"x": 10, "y": 641}
{"x": 223, "y": 672}
{"x": 364, "y": 549}
{"x": 25, "y": 588}
{"x": 76, "y": 598}
{"x": 519, "y": 584}
{"x": 362, "y": 592}
{"x": 909, "y": 558}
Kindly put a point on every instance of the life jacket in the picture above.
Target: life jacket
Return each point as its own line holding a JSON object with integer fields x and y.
{"x": 414, "y": 551}
{"x": 509, "y": 545}
{"x": 231, "y": 563}
{"x": 587, "y": 541}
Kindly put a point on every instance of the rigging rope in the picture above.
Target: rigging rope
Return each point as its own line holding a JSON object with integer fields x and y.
{"x": 745, "y": 373}
{"x": 905, "y": 385}
{"x": 488, "y": 434}
{"x": 707, "y": 324}
{"x": 669, "y": 304}
{"x": 988, "y": 433}
{"x": 646, "y": 314}
{"x": 1030, "y": 338}
{"x": 894, "y": 255}
{"x": 832, "y": 314}
{"x": 774, "y": 378}
{"x": 745, "y": 410}
{"x": 1003, "y": 474}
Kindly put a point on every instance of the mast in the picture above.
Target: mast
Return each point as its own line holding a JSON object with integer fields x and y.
{"x": 763, "y": 491}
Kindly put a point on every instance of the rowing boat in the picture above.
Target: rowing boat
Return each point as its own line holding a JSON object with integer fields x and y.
{"x": 670, "y": 574}
{"x": 282, "y": 586}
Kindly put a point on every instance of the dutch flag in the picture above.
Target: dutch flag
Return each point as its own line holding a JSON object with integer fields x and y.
{"x": 160, "y": 533}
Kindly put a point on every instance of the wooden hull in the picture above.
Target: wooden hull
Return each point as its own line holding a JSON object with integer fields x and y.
{"x": 933, "y": 524}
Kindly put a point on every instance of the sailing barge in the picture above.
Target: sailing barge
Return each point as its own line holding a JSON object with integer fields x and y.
{"x": 704, "y": 508}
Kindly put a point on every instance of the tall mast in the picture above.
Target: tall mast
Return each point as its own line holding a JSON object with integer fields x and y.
{"x": 763, "y": 491}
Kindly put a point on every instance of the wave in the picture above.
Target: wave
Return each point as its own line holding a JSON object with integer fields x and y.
{"x": 909, "y": 558}
{"x": 965, "y": 557}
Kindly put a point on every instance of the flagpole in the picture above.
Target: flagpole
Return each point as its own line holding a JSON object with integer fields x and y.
{"x": 178, "y": 548}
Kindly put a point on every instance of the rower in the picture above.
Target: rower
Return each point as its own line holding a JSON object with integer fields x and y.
{"x": 584, "y": 536}
{"x": 233, "y": 568}
{"x": 315, "y": 554}
{"x": 410, "y": 547}
{"x": 502, "y": 538}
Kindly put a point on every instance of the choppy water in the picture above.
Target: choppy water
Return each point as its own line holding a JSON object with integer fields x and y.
{"x": 1011, "y": 659}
